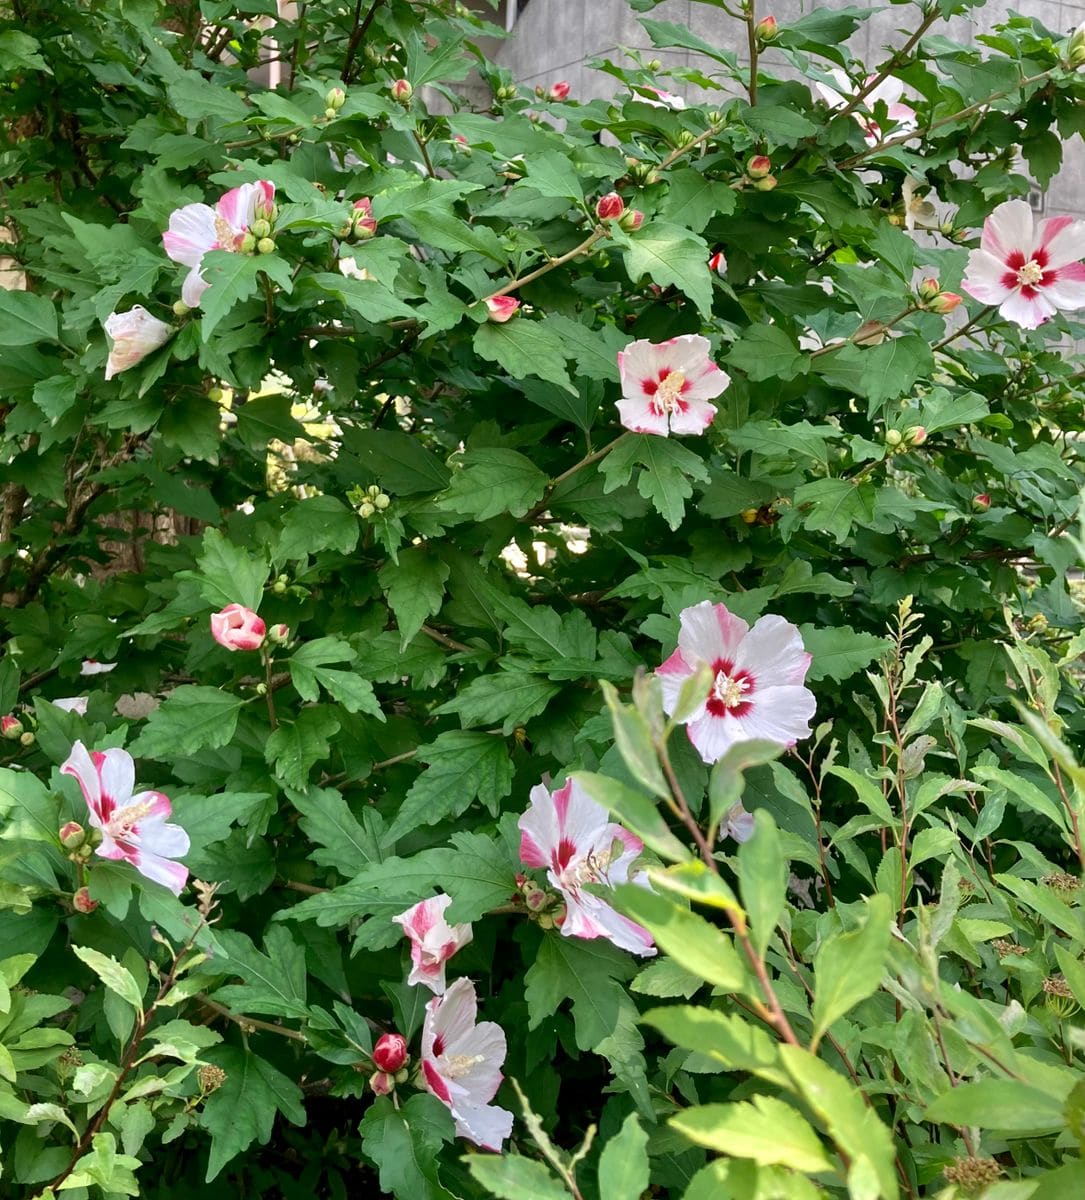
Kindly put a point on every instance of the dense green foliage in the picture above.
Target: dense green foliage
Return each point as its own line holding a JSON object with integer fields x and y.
{"x": 877, "y": 994}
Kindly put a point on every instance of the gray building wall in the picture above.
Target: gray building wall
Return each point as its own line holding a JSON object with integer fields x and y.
{"x": 553, "y": 39}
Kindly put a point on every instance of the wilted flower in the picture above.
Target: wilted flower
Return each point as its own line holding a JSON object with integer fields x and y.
{"x": 570, "y": 836}
{"x": 133, "y": 827}
{"x": 238, "y": 628}
{"x": 918, "y": 212}
{"x": 197, "y": 229}
{"x": 461, "y": 1065}
{"x": 737, "y": 823}
{"x": 501, "y": 308}
{"x": 75, "y": 704}
{"x": 433, "y": 940}
{"x": 134, "y": 335}
{"x": 662, "y": 99}
{"x": 348, "y": 266}
{"x": 756, "y": 690}
{"x": 1030, "y": 271}
{"x": 888, "y": 92}
{"x": 91, "y": 666}
{"x": 390, "y": 1052}
{"x": 666, "y": 387}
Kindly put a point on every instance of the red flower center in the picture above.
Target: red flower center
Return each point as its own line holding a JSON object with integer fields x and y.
{"x": 731, "y": 693}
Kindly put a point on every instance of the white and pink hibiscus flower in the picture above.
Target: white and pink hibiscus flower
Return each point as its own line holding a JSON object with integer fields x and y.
{"x": 756, "y": 691}
{"x": 133, "y": 827}
{"x": 238, "y": 628}
{"x": 1030, "y": 270}
{"x": 433, "y": 941}
{"x": 667, "y": 386}
{"x": 134, "y": 335}
{"x": 197, "y": 229}
{"x": 888, "y": 92}
{"x": 461, "y": 1065}
{"x": 570, "y": 836}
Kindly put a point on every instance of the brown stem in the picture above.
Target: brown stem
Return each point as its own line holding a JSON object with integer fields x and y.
{"x": 270, "y": 694}
{"x": 445, "y": 640}
{"x": 864, "y": 332}
{"x": 357, "y": 35}
{"x": 586, "y": 461}
{"x": 552, "y": 264}
{"x": 1072, "y": 815}
{"x": 751, "y": 43}
{"x": 967, "y": 328}
{"x": 895, "y": 61}
{"x": 676, "y": 154}
{"x": 249, "y": 1024}
{"x": 425, "y": 154}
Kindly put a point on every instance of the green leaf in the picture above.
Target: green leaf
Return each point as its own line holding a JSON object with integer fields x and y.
{"x": 508, "y": 696}
{"x": 833, "y": 506}
{"x": 669, "y": 255}
{"x": 105, "y": 1168}
{"x": 552, "y": 174}
{"x": 403, "y": 1142}
{"x": 895, "y": 248}
{"x": 665, "y": 480}
{"x": 692, "y": 200}
{"x": 314, "y": 524}
{"x": 837, "y": 653}
{"x": 524, "y": 347}
{"x": 199, "y": 99}
{"x": 623, "y": 1165}
{"x": 190, "y": 719}
{"x": 415, "y": 587}
{"x": 778, "y": 125}
{"x": 636, "y": 812}
{"x": 230, "y": 575}
{"x": 294, "y": 749}
{"x": 513, "y": 1177}
{"x": 1005, "y": 1104}
{"x": 347, "y": 843}
{"x": 463, "y": 767}
{"x": 762, "y": 875}
{"x": 848, "y": 967}
{"x": 396, "y": 461}
{"x": 26, "y": 318}
{"x": 633, "y": 737}
{"x": 733, "y": 1042}
{"x": 274, "y": 982}
{"x": 728, "y": 779}
{"x": 232, "y": 277}
{"x": 594, "y": 351}
{"x": 766, "y": 1130}
{"x": 492, "y": 481}
{"x": 585, "y": 972}
{"x": 766, "y": 352}
{"x": 689, "y": 939}
{"x": 244, "y": 1108}
{"x": 118, "y": 979}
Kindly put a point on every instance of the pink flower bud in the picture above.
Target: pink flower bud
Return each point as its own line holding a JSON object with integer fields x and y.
{"x": 766, "y": 184}
{"x": 632, "y": 219}
{"x": 134, "y": 335}
{"x": 559, "y": 90}
{"x": 238, "y": 628}
{"x": 944, "y": 302}
{"x": 460, "y": 140}
{"x": 72, "y": 835}
{"x": 10, "y": 727}
{"x": 718, "y": 263}
{"x": 536, "y": 900}
{"x": 82, "y": 902}
{"x": 279, "y": 634}
{"x": 390, "y": 1053}
{"x": 382, "y": 1083}
{"x": 928, "y": 289}
{"x": 759, "y": 166}
{"x": 402, "y": 91}
{"x": 501, "y": 308}
{"x": 362, "y": 223}
{"x": 981, "y": 502}
{"x": 609, "y": 207}
{"x": 916, "y": 435}
{"x": 335, "y": 98}
{"x": 766, "y": 29}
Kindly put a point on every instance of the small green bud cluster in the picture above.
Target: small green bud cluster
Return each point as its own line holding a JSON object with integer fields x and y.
{"x": 368, "y": 501}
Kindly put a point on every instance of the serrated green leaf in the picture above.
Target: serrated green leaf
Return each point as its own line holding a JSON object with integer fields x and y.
{"x": 669, "y": 256}
{"x": 524, "y": 347}
{"x": 190, "y": 719}
{"x": 492, "y": 481}
{"x": 848, "y": 967}
{"x": 415, "y": 587}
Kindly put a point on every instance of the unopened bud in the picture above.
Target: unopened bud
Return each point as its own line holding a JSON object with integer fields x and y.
{"x": 82, "y": 902}
{"x": 759, "y": 166}
{"x": 893, "y": 438}
{"x": 535, "y": 900}
{"x": 501, "y": 308}
{"x": 683, "y": 138}
{"x": 261, "y": 688}
{"x": 381, "y": 502}
{"x": 260, "y": 229}
{"x": 916, "y": 435}
{"x": 279, "y": 634}
{"x": 330, "y": 114}
{"x": 373, "y": 491}
{"x": 654, "y": 64}
{"x": 928, "y": 289}
{"x": 382, "y": 1083}
{"x": 945, "y": 302}
{"x": 631, "y": 220}
{"x": 766, "y": 29}
{"x": 336, "y": 98}
{"x": 248, "y": 243}
{"x": 766, "y": 184}
{"x": 558, "y": 91}
{"x": 402, "y": 91}
{"x": 718, "y": 264}
{"x": 27, "y": 739}
{"x": 609, "y": 207}
{"x": 366, "y": 510}
{"x": 390, "y": 1053}
{"x": 11, "y": 727}
{"x": 180, "y": 308}
{"x": 1076, "y": 49}
{"x": 279, "y": 586}
{"x": 545, "y": 921}
{"x": 981, "y": 502}
{"x": 72, "y": 835}
{"x": 265, "y": 245}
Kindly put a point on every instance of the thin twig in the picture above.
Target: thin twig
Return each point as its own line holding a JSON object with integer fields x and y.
{"x": 552, "y": 264}
{"x": 357, "y": 34}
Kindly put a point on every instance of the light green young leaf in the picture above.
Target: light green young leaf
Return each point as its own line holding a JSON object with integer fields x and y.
{"x": 513, "y": 1177}
{"x": 766, "y": 1130}
{"x": 623, "y": 1165}
{"x": 848, "y": 967}
{"x": 762, "y": 874}
{"x": 118, "y": 979}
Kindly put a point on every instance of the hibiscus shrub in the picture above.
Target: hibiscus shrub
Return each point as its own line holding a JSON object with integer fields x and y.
{"x": 541, "y": 637}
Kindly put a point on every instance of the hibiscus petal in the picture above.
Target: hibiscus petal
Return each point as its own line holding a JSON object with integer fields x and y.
{"x": 81, "y": 767}
{"x": 170, "y": 875}
{"x": 191, "y": 234}
{"x": 1028, "y": 312}
{"x": 706, "y": 383}
{"x": 778, "y": 714}
{"x": 773, "y": 653}
{"x": 1063, "y": 239}
{"x": 985, "y": 278}
{"x": 713, "y": 736}
{"x": 238, "y": 206}
{"x": 1008, "y": 228}
{"x": 636, "y": 415}
{"x": 710, "y": 632}
{"x": 581, "y": 821}
{"x": 170, "y": 841}
{"x": 117, "y": 772}
{"x": 1067, "y": 290}
{"x": 485, "y": 1125}
{"x": 698, "y": 416}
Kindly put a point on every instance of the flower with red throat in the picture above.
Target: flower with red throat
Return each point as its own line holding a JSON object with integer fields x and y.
{"x": 433, "y": 941}
{"x": 666, "y": 387}
{"x": 501, "y": 308}
{"x": 609, "y": 207}
{"x": 1029, "y": 270}
{"x": 390, "y": 1053}
{"x": 756, "y": 691}
{"x": 888, "y": 92}
{"x": 569, "y": 835}
{"x": 197, "y": 229}
{"x": 133, "y": 827}
{"x": 134, "y": 335}
{"x": 238, "y": 628}
{"x": 461, "y": 1065}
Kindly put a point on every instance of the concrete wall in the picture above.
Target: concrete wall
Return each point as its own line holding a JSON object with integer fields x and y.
{"x": 552, "y": 39}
